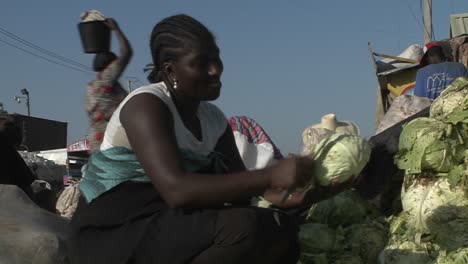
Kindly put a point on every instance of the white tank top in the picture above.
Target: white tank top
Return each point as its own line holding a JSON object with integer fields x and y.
{"x": 212, "y": 121}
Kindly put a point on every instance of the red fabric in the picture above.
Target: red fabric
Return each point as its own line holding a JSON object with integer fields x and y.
{"x": 99, "y": 136}
{"x": 428, "y": 46}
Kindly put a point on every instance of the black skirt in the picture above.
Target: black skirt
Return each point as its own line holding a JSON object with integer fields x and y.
{"x": 132, "y": 224}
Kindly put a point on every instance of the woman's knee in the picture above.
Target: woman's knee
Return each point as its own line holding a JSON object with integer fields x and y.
{"x": 256, "y": 230}
{"x": 236, "y": 226}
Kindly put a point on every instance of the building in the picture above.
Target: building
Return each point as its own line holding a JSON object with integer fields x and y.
{"x": 38, "y": 133}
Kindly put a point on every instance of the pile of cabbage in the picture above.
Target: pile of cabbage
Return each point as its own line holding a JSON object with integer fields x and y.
{"x": 343, "y": 229}
{"x": 433, "y": 153}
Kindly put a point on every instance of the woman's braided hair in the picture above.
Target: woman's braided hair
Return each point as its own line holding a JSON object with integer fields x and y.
{"x": 172, "y": 37}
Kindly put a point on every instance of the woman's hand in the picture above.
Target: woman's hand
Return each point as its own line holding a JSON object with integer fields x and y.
{"x": 111, "y": 23}
{"x": 291, "y": 173}
{"x": 320, "y": 193}
{"x": 288, "y": 175}
{"x": 295, "y": 173}
{"x": 293, "y": 200}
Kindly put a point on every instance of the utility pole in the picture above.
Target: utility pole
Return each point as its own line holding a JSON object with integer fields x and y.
{"x": 24, "y": 92}
{"x": 427, "y": 21}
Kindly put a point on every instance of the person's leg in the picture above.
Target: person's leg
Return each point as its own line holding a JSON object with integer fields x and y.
{"x": 252, "y": 235}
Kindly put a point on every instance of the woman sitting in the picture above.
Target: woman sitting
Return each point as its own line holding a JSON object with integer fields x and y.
{"x": 168, "y": 184}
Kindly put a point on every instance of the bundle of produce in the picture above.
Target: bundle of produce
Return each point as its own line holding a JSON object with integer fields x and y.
{"x": 339, "y": 158}
{"x": 343, "y": 229}
{"x": 433, "y": 154}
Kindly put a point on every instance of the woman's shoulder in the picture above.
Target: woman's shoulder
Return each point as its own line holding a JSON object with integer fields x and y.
{"x": 157, "y": 89}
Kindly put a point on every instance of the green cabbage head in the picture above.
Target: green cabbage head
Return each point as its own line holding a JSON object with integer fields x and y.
{"x": 367, "y": 240}
{"x": 405, "y": 252}
{"x": 343, "y": 209}
{"x": 318, "y": 238}
{"x": 431, "y": 204}
{"x": 347, "y": 258}
{"x": 459, "y": 256}
{"x": 452, "y": 101}
{"x": 429, "y": 144}
{"x": 340, "y": 157}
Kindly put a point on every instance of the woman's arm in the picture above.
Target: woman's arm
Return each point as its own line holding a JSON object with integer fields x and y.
{"x": 126, "y": 51}
{"x": 149, "y": 127}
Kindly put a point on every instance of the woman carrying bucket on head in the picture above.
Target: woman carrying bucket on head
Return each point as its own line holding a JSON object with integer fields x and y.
{"x": 105, "y": 93}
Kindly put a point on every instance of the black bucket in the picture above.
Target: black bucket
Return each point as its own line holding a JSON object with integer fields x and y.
{"x": 95, "y": 36}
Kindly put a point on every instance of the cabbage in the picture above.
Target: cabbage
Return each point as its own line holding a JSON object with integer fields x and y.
{"x": 347, "y": 258}
{"x": 307, "y": 258}
{"x": 429, "y": 144}
{"x": 406, "y": 245}
{"x": 452, "y": 102}
{"x": 343, "y": 209}
{"x": 340, "y": 157}
{"x": 367, "y": 240}
{"x": 459, "y": 256}
{"x": 451, "y": 235}
{"x": 405, "y": 252}
{"x": 259, "y": 201}
{"x": 432, "y": 203}
{"x": 318, "y": 238}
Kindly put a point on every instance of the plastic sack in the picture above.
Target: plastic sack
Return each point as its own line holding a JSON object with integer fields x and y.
{"x": 402, "y": 107}
{"x": 413, "y": 52}
{"x": 29, "y": 234}
{"x": 68, "y": 200}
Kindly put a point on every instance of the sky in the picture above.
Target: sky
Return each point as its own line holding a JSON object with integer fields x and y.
{"x": 287, "y": 63}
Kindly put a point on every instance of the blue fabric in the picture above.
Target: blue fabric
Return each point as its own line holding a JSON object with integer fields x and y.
{"x": 109, "y": 168}
{"x": 434, "y": 78}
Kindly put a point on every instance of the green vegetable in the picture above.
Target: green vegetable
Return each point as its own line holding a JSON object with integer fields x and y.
{"x": 307, "y": 258}
{"x": 452, "y": 103}
{"x": 431, "y": 204}
{"x": 405, "y": 252}
{"x": 343, "y": 209}
{"x": 340, "y": 157}
{"x": 367, "y": 240}
{"x": 347, "y": 258}
{"x": 318, "y": 238}
{"x": 259, "y": 201}
{"x": 429, "y": 144}
{"x": 459, "y": 256}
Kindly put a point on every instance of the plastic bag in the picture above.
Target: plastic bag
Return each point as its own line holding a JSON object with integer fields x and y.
{"x": 68, "y": 200}
{"x": 402, "y": 107}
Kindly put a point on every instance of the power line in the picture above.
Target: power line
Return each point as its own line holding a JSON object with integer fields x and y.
{"x": 76, "y": 65}
{"x": 413, "y": 14}
{"x": 50, "y": 53}
{"x": 44, "y": 58}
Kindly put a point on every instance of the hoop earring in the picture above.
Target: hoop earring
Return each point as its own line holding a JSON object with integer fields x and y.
{"x": 175, "y": 84}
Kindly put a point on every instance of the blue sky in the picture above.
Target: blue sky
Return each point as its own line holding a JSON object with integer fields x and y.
{"x": 287, "y": 63}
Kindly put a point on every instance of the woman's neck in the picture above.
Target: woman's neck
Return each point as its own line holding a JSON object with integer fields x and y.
{"x": 186, "y": 106}
{"x": 188, "y": 112}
